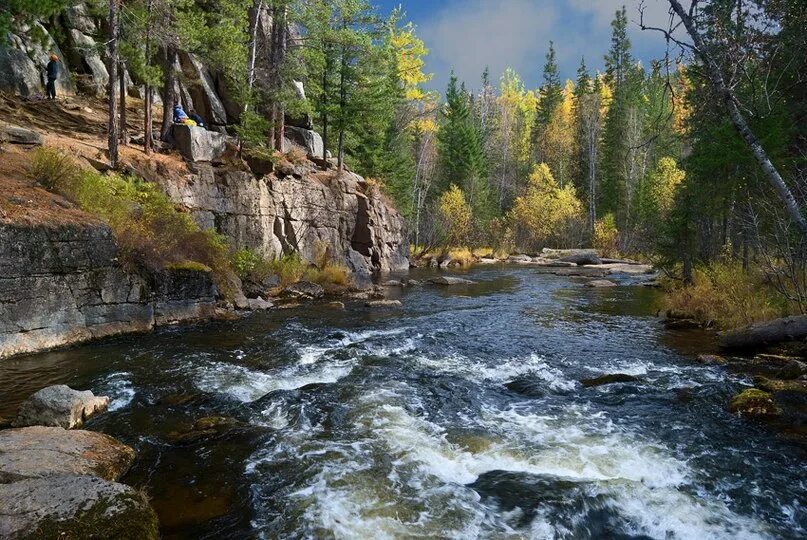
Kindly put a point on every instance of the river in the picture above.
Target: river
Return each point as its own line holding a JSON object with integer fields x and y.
{"x": 460, "y": 415}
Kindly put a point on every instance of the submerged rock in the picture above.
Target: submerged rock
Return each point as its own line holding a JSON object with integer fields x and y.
{"x": 450, "y": 280}
{"x": 207, "y": 427}
{"x": 600, "y": 284}
{"x": 754, "y": 402}
{"x": 36, "y": 452}
{"x": 383, "y": 303}
{"x": 609, "y": 379}
{"x": 75, "y": 507}
{"x": 61, "y": 406}
{"x": 711, "y": 359}
{"x": 776, "y": 385}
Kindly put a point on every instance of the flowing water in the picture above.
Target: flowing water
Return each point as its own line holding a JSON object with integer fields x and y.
{"x": 460, "y": 415}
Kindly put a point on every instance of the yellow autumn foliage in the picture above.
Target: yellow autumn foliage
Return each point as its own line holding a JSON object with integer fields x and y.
{"x": 455, "y": 217}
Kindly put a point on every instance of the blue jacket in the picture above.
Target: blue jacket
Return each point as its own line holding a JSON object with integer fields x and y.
{"x": 53, "y": 70}
{"x": 179, "y": 114}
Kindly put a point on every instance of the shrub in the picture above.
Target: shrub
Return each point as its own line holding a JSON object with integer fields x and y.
{"x": 455, "y": 216}
{"x": 150, "y": 232}
{"x": 333, "y": 274}
{"x": 289, "y": 269}
{"x": 606, "y": 236}
{"x": 724, "y": 295}
{"x": 546, "y": 212}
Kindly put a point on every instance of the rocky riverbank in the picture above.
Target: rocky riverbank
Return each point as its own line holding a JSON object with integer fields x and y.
{"x": 63, "y": 483}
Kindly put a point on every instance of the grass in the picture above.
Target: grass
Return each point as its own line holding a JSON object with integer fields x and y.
{"x": 725, "y": 296}
{"x": 290, "y": 269}
{"x": 150, "y": 231}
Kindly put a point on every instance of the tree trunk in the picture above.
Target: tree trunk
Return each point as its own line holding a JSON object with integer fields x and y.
{"x": 254, "y": 21}
{"x": 325, "y": 91}
{"x": 112, "y": 68}
{"x": 279, "y": 35}
{"x": 737, "y": 118}
{"x": 766, "y": 334}
{"x": 148, "y": 143}
{"x": 342, "y": 111}
{"x": 124, "y": 131}
{"x": 168, "y": 91}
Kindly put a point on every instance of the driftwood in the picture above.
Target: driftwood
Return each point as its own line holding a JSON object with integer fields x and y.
{"x": 765, "y": 334}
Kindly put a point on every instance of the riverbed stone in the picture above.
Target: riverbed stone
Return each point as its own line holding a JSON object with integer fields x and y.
{"x": 609, "y": 379}
{"x": 777, "y": 385}
{"x": 38, "y": 451}
{"x": 305, "y": 290}
{"x": 600, "y": 284}
{"x": 383, "y": 303}
{"x": 74, "y": 507}
{"x": 59, "y": 405}
{"x": 754, "y": 402}
{"x": 450, "y": 280}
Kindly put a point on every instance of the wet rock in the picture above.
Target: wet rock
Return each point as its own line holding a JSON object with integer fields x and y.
{"x": 519, "y": 259}
{"x": 712, "y": 359}
{"x": 75, "y": 507}
{"x": 259, "y": 304}
{"x": 37, "y": 451}
{"x": 383, "y": 303}
{"x": 754, "y": 402}
{"x": 450, "y": 280}
{"x": 793, "y": 369}
{"x": 526, "y": 386}
{"x": 776, "y": 385}
{"x": 204, "y": 428}
{"x": 335, "y": 305}
{"x": 588, "y": 271}
{"x": 393, "y": 283}
{"x": 61, "y": 406}
{"x": 576, "y": 256}
{"x": 600, "y": 283}
{"x": 304, "y": 290}
{"x": 487, "y": 260}
{"x": 17, "y": 135}
{"x": 630, "y": 269}
{"x": 609, "y": 379}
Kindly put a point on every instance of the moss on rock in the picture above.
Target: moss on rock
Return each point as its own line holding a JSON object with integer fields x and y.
{"x": 754, "y": 402}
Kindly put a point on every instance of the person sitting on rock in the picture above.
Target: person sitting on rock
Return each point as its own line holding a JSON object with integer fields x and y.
{"x": 196, "y": 118}
{"x": 179, "y": 115}
{"x": 53, "y": 74}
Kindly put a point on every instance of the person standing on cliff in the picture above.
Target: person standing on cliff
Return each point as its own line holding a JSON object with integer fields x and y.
{"x": 53, "y": 74}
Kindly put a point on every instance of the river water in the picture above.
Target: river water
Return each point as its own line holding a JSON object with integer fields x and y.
{"x": 460, "y": 415}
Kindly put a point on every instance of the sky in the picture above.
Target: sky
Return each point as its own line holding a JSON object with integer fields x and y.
{"x": 467, "y": 35}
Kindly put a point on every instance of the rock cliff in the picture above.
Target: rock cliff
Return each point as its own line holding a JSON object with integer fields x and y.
{"x": 62, "y": 283}
{"x": 301, "y": 210}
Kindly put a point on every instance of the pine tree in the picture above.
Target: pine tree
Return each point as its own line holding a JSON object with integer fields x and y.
{"x": 550, "y": 96}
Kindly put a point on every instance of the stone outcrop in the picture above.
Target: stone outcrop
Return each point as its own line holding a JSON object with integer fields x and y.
{"x": 60, "y": 406}
{"x": 74, "y": 507}
{"x": 38, "y": 452}
{"x": 307, "y": 140}
{"x": 62, "y": 283}
{"x": 198, "y": 144}
{"x": 296, "y": 210}
{"x": 10, "y": 133}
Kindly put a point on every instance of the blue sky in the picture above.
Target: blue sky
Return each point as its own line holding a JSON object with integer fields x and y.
{"x": 467, "y": 35}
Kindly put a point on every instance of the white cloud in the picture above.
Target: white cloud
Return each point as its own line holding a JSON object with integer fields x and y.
{"x": 467, "y": 35}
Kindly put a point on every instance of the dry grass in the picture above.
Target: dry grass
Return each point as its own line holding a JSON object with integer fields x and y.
{"x": 724, "y": 296}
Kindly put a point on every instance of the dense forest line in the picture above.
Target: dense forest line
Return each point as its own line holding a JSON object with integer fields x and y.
{"x": 671, "y": 161}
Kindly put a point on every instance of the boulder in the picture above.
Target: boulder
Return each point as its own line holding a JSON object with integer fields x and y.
{"x": 202, "y": 90}
{"x": 383, "y": 303}
{"x": 754, "y": 402}
{"x": 608, "y": 379}
{"x": 259, "y": 304}
{"x": 304, "y": 121}
{"x": 205, "y": 428}
{"x": 84, "y": 52}
{"x": 17, "y": 135}
{"x": 450, "y": 280}
{"x": 581, "y": 257}
{"x": 777, "y": 385}
{"x": 18, "y": 73}
{"x": 75, "y": 507}
{"x": 793, "y": 369}
{"x": 310, "y": 141}
{"x": 198, "y": 144}
{"x": 519, "y": 259}
{"x": 304, "y": 290}
{"x": 61, "y": 406}
{"x": 600, "y": 284}
{"x": 38, "y": 451}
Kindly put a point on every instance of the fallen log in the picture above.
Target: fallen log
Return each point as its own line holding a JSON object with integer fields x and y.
{"x": 765, "y": 334}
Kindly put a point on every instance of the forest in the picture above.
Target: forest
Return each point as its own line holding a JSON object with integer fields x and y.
{"x": 695, "y": 161}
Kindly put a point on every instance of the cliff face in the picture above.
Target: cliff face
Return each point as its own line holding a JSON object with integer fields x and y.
{"x": 63, "y": 283}
{"x": 303, "y": 212}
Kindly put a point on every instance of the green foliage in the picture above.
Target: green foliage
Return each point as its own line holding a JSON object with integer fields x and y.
{"x": 722, "y": 294}
{"x": 253, "y": 128}
{"x": 26, "y": 11}
{"x": 150, "y": 232}
{"x": 546, "y": 212}
{"x": 455, "y": 217}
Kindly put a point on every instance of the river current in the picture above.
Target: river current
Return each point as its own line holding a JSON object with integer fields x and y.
{"x": 459, "y": 415}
